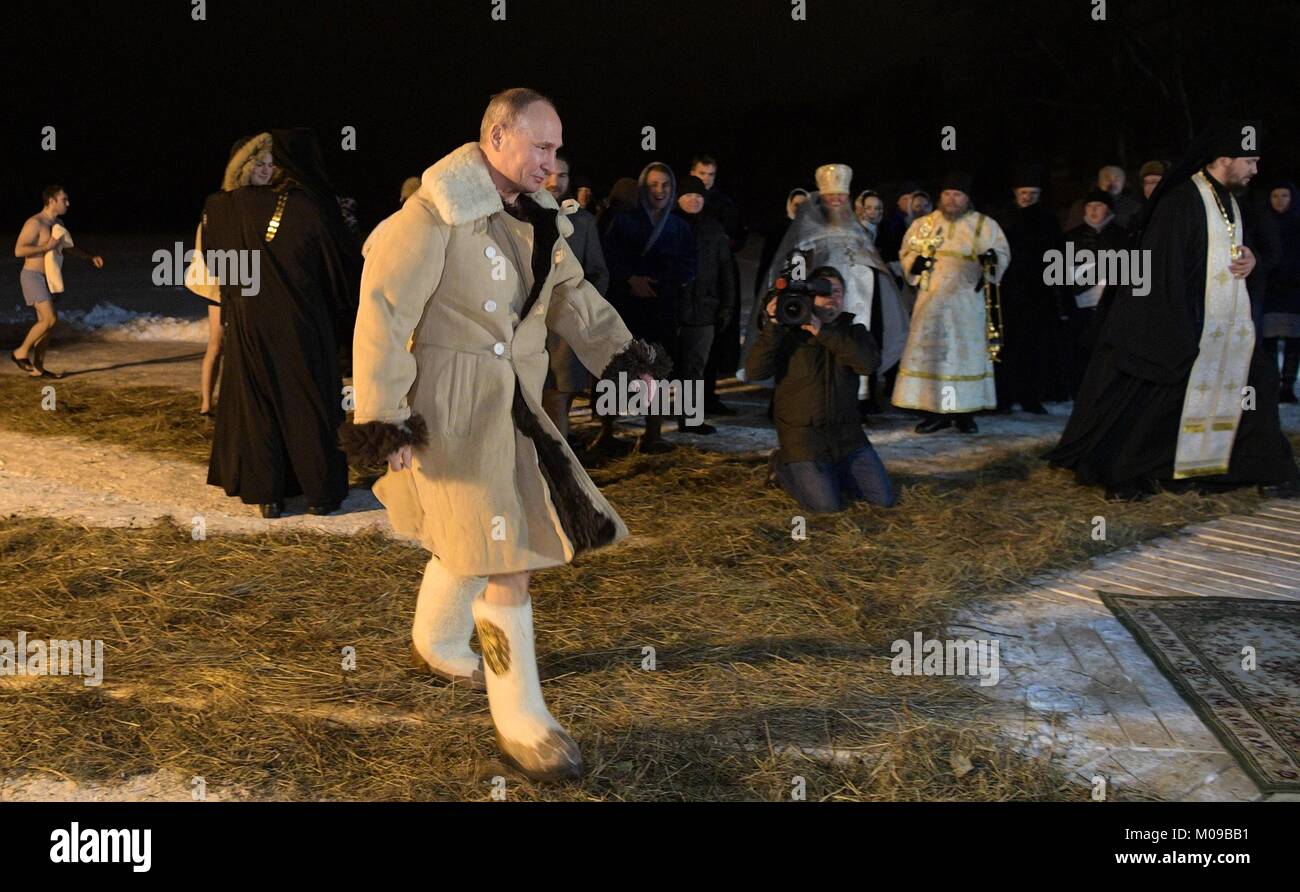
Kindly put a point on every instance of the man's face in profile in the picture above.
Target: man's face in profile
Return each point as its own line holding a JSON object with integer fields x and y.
{"x": 525, "y": 152}
{"x": 1241, "y": 171}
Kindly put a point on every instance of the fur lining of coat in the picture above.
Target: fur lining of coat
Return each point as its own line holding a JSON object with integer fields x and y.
{"x": 370, "y": 444}
{"x": 640, "y": 357}
{"x": 584, "y": 524}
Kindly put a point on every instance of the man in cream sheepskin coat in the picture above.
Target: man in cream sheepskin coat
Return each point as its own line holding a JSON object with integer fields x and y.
{"x": 459, "y": 290}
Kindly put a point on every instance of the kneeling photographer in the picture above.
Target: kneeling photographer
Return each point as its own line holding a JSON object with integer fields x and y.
{"x": 816, "y": 353}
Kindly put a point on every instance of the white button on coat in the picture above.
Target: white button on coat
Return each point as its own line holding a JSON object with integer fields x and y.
{"x": 498, "y": 348}
{"x": 490, "y": 306}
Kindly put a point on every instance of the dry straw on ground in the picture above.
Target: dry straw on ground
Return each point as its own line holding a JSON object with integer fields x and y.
{"x": 771, "y": 654}
{"x": 158, "y": 420}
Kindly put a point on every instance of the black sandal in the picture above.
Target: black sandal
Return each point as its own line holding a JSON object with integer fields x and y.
{"x": 24, "y": 364}
{"x": 46, "y": 373}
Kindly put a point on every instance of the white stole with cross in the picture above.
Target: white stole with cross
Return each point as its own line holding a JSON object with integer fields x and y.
{"x": 1213, "y": 404}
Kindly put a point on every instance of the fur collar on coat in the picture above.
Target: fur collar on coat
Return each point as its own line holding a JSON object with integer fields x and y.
{"x": 459, "y": 188}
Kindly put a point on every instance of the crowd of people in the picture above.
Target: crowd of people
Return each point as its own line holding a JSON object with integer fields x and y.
{"x": 958, "y": 315}
{"x": 502, "y": 288}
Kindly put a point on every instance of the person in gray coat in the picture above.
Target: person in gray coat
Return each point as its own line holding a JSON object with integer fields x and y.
{"x": 567, "y": 375}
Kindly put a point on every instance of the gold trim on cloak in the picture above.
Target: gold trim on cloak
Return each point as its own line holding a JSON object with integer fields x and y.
{"x": 929, "y": 376}
{"x": 274, "y": 226}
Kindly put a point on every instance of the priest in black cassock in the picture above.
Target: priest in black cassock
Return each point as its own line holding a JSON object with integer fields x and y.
{"x": 1031, "y": 343}
{"x": 1176, "y": 394}
{"x": 281, "y": 388}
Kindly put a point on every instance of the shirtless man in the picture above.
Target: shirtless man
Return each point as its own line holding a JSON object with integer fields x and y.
{"x": 35, "y": 241}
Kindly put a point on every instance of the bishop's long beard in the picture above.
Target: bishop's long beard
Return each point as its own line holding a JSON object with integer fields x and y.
{"x": 839, "y": 217}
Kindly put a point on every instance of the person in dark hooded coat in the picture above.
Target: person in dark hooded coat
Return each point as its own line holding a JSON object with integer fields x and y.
{"x": 281, "y": 389}
{"x": 652, "y": 261}
{"x": 1281, "y": 326}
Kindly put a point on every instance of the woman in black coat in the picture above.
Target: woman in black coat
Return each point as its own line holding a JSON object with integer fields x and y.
{"x": 281, "y": 388}
{"x": 1282, "y": 294}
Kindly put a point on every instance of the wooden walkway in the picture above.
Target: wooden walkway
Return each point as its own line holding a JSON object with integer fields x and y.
{"x": 1076, "y": 683}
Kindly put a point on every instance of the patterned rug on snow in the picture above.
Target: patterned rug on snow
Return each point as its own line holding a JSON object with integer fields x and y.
{"x": 1237, "y": 662}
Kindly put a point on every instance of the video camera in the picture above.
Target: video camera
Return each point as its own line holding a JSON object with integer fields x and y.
{"x": 794, "y": 297}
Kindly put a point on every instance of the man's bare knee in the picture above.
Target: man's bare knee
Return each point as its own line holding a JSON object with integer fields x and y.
{"x": 508, "y": 588}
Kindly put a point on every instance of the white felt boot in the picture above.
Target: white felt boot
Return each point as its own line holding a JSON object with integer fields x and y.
{"x": 443, "y": 623}
{"x": 529, "y": 736}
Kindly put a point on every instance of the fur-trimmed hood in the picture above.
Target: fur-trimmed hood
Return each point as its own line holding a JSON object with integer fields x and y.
{"x": 240, "y": 165}
{"x": 459, "y": 188}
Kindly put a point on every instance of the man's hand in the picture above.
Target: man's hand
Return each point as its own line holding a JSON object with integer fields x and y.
{"x": 400, "y": 459}
{"x": 813, "y": 325}
{"x": 640, "y": 286}
{"x": 771, "y": 309}
{"x": 97, "y": 261}
{"x": 1243, "y": 265}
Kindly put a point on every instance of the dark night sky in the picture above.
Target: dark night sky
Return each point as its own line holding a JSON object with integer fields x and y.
{"x": 147, "y": 101}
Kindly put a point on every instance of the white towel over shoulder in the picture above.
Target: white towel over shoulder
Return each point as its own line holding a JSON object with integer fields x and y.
{"x": 54, "y": 258}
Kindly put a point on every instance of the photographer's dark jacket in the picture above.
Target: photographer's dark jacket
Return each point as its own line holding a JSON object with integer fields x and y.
{"x": 816, "y": 401}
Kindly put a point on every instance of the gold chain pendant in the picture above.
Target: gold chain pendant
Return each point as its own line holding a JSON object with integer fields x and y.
{"x": 1234, "y": 249}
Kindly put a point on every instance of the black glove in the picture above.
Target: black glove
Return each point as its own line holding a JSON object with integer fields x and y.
{"x": 921, "y": 264}
{"x": 990, "y": 256}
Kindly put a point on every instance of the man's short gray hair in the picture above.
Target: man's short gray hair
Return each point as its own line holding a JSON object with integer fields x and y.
{"x": 505, "y": 107}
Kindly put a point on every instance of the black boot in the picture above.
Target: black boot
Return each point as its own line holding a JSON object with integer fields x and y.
{"x": 933, "y": 423}
{"x": 701, "y": 429}
{"x": 1126, "y": 494}
{"x": 1290, "y": 366}
{"x": 715, "y": 406}
{"x": 605, "y": 442}
{"x": 1287, "y": 490}
{"x": 966, "y": 424}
